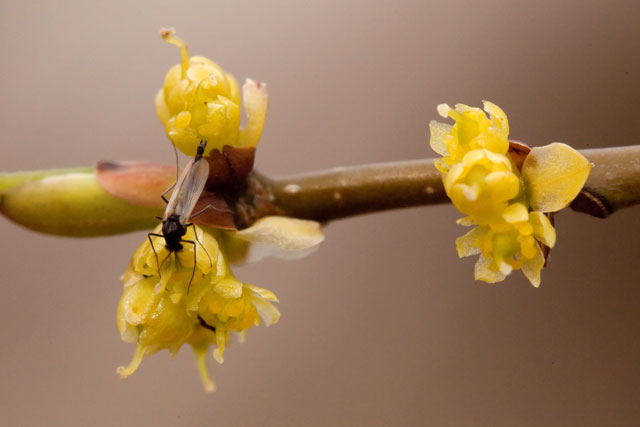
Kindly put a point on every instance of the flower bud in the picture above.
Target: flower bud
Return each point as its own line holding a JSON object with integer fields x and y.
{"x": 199, "y": 101}
{"x": 70, "y": 203}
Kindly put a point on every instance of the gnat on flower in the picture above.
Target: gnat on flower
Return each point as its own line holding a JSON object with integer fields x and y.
{"x": 167, "y": 310}
{"x": 507, "y": 205}
{"x": 163, "y": 311}
{"x": 172, "y": 297}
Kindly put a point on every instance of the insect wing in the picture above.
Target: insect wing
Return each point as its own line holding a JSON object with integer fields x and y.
{"x": 189, "y": 192}
{"x": 177, "y": 190}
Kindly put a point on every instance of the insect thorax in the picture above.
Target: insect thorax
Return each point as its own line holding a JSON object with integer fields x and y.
{"x": 173, "y": 230}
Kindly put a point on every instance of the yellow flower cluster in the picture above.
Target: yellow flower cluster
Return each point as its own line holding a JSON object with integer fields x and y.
{"x": 189, "y": 294}
{"x": 192, "y": 297}
{"x": 506, "y": 205}
{"x": 199, "y": 101}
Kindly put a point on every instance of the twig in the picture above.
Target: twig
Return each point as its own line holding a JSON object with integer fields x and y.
{"x": 614, "y": 183}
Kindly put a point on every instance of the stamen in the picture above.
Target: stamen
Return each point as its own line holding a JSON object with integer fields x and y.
{"x": 169, "y": 35}
{"x": 201, "y": 360}
{"x": 124, "y": 372}
{"x": 218, "y": 353}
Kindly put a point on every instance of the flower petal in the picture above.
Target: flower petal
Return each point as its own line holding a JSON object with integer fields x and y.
{"x": 280, "y": 237}
{"x": 532, "y": 267}
{"x": 465, "y": 244}
{"x": 443, "y": 110}
{"x": 502, "y": 185}
{"x": 553, "y": 176}
{"x": 137, "y": 303}
{"x": 267, "y": 312}
{"x": 542, "y": 228}
{"x": 256, "y": 102}
{"x": 466, "y": 221}
{"x": 484, "y": 272}
{"x": 498, "y": 117}
{"x": 262, "y": 292}
{"x": 229, "y": 287}
{"x": 515, "y": 212}
{"x": 439, "y": 131}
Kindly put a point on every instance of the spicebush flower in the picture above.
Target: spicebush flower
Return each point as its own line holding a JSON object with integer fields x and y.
{"x": 508, "y": 244}
{"x": 507, "y": 205}
{"x": 199, "y": 101}
{"x": 190, "y": 295}
{"x": 164, "y": 308}
{"x": 481, "y": 184}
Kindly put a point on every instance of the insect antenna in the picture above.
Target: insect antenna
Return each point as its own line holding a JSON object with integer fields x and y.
{"x": 175, "y": 152}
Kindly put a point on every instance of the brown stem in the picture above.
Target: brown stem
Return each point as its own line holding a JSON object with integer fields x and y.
{"x": 614, "y": 183}
{"x": 344, "y": 192}
{"x": 117, "y": 198}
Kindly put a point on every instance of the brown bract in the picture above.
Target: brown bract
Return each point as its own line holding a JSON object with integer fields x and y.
{"x": 139, "y": 183}
{"x": 142, "y": 184}
{"x": 231, "y": 166}
{"x": 518, "y": 151}
{"x": 220, "y": 217}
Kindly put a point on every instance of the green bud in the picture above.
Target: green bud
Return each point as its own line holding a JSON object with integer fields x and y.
{"x": 69, "y": 203}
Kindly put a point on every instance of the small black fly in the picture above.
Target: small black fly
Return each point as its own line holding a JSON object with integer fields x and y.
{"x": 178, "y": 213}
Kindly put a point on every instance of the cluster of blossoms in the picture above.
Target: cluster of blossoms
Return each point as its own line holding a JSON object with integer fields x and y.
{"x": 191, "y": 296}
{"x": 163, "y": 307}
{"x": 507, "y": 203}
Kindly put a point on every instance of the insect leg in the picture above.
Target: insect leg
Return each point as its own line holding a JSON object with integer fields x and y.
{"x": 200, "y": 243}
{"x": 166, "y": 191}
{"x": 158, "y": 263}
{"x": 154, "y": 249}
{"x": 193, "y": 272}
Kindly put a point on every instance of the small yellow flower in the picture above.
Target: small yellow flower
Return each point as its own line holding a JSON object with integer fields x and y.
{"x": 507, "y": 205}
{"x": 473, "y": 130}
{"x": 510, "y": 243}
{"x": 194, "y": 298}
{"x": 199, "y": 101}
{"x": 481, "y": 184}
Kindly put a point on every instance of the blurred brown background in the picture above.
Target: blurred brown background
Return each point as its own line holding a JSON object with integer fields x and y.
{"x": 384, "y": 325}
